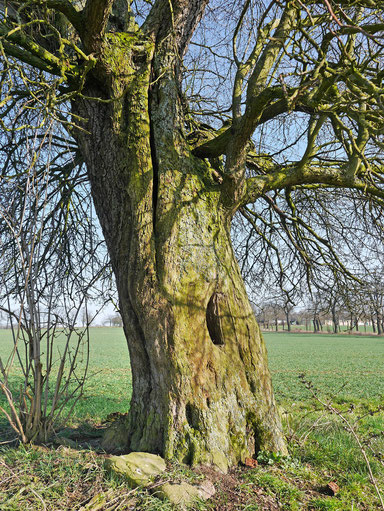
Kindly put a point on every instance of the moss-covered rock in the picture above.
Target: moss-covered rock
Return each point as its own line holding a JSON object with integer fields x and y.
{"x": 185, "y": 494}
{"x": 220, "y": 461}
{"x": 138, "y": 468}
{"x": 115, "y": 437}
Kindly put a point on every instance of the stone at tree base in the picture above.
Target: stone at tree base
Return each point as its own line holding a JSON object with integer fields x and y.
{"x": 138, "y": 468}
{"x": 66, "y": 442}
{"x": 115, "y": 437}
{"x": 220, "y": 461}
{"x": 184, "y": 494}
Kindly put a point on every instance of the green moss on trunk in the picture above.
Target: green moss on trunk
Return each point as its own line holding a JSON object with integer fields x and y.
{"x": 201, "y": 387}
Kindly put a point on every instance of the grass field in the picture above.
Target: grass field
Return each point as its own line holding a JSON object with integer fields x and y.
{"x": 347, "y": 369}
{"x": 354, "y": 364}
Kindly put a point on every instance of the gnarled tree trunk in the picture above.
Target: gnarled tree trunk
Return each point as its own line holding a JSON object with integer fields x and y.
{"x": 201, "y": 387}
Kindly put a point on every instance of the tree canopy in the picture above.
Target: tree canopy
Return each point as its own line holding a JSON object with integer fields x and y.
{"x": 284, "y": 101}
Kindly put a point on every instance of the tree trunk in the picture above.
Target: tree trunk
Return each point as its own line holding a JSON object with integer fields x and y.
{"x": 288, "y": 322}
{"x": 201, "y": 386}
{"x": 335, "y": 320}
{"x": 379, "y": 325}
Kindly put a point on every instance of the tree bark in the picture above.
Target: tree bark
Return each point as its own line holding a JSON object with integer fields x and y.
{"x": 201, "y": 387}
{"x": 335, "y": 320}
{"x": 288, "y": 321}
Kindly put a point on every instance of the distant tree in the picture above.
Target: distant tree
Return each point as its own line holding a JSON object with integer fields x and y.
{"x": 287, "y": 307}
{"x": 331, "y": 299}
{"x": 86, "y": 317}
{"x": 316, "y": 308}
{"x": 115, "y": 320}
{"x": 374, "y": 299}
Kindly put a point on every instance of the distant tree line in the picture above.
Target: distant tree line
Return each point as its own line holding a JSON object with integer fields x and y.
{"x": 333, "y": 308}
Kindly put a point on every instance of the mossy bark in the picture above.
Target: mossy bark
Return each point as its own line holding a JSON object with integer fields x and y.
{"x": 201, "y": 387}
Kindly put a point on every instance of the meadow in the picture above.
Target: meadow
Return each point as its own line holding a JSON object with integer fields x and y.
{"x": 348, "y": 367}
{"x": 346, "y": 370}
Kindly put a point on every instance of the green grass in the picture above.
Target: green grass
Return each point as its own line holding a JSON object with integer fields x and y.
{"x": 109, "y": 385}
{"x": 350, "y": 366}
{"x": 288, "y": 495}
{"x": 62, "y": 478}
{"x": 354, "y": 364}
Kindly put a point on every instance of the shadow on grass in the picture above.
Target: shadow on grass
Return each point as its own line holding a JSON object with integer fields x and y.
{"x": 84, "y": 428}
{"x": 86, "y": 436}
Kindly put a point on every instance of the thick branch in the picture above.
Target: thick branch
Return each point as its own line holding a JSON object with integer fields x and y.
{"x": 28, "y": 58}
{"x": 69, "y": 10}
{"x": 176, "y": 17}
{"x": 65, "y": 7}
{"x": 95, "y": 13}
{"x": 295, "y": 176}
{"x": 214, "y": 147}
{"x": 16, "y": 36}
{"x": 259, "y": 97}
{"x": 19, "y": 45}
{"x": 218, "y": 145}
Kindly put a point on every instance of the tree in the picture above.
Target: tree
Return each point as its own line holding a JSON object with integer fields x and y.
{"x": 42, "y": 302}
{"x": 169, "y": 165}
{"x": 374, "y": 301}
{"x": 114, "y": 320}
